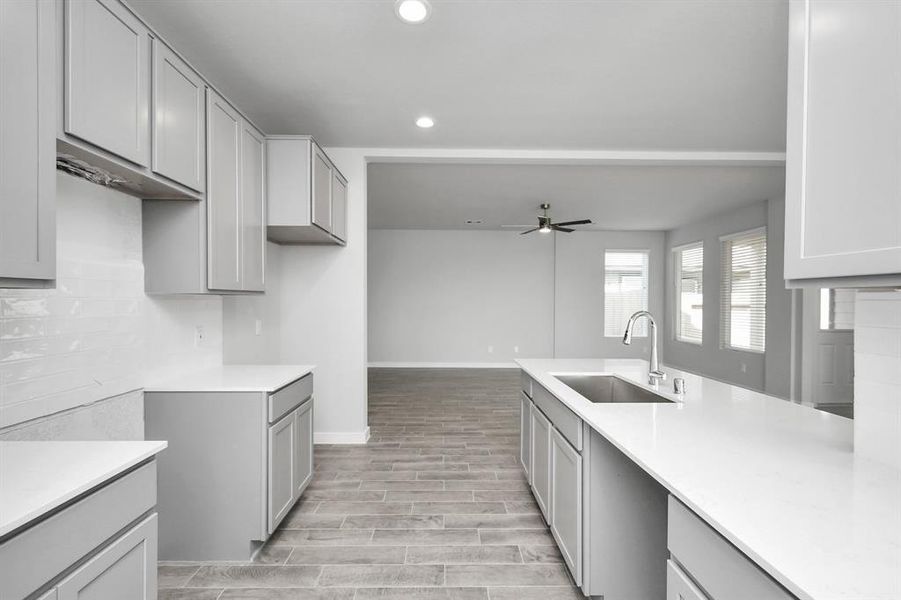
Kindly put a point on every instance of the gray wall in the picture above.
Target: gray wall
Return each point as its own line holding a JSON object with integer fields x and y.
{"x": 769, "y": 371}
{"x": 446, "y": 296}
{"x": 459, "y": 296}
{"x": 579, "y": 306}
{"x": 240, "y": 313}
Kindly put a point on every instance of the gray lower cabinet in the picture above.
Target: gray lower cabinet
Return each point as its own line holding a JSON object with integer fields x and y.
{"x": 525, "y": 434}
{"x": 242, "y": 459}
{"x": 701, "y": 559}
{"x": 101, "y": 547}
{"x": 27, "y": 143}
{"x": 307, "y": 195}
{"x": 541, "y": 461}
{"x": 283, "y": 442}
{"x": 566, "y": 502}
{"x": 124, "y": 569}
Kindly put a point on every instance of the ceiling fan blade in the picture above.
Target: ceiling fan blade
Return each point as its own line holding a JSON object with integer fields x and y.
{"x": 563, "y": 229}
{"x": 582, "y": 222}
{"x": 530, "y": 230}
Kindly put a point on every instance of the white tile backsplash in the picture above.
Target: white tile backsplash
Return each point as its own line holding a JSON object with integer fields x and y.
{"x": 877, "y": 376}
{"x": 96, "y": 335}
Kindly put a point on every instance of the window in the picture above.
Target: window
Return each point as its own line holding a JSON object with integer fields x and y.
{"x": 743, "y": 294}
{"x": 689, "y": 292}
{"x": 625, "y": 290}
{"x": 836, "y": 310}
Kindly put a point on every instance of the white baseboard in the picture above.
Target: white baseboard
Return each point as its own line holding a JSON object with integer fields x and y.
{"x": 443, "y": 365}
{"x": 341, "y": 437}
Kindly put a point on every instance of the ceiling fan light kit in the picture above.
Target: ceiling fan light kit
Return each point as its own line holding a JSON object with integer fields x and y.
{"x": 546, "y": 225}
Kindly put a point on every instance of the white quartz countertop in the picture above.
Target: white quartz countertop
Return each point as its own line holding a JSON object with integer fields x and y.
{"x": 778, "y": 480}
{"x": 231, "y": 378}
{"x": 37, "y": 477}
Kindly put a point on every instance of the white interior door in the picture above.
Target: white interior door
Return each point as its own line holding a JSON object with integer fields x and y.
{"x": 828, "y": 352}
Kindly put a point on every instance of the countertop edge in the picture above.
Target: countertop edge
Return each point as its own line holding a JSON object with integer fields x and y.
{"x": 153, "y": 448}
{"x": 193, "y": 382}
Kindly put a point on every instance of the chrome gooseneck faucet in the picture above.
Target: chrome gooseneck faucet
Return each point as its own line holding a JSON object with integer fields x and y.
{"x": 655, "y": 375}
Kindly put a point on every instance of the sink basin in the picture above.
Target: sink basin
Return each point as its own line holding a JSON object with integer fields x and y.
{"x": 609, "y": 389}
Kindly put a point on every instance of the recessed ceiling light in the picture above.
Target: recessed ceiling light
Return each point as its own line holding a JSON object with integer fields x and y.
{"x": 425, "y": 122}
{"x": 412, "y": 11}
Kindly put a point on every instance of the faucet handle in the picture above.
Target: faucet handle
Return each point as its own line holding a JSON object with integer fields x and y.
{"x": 655, "y": 377}
{"x": 678, "y": 385}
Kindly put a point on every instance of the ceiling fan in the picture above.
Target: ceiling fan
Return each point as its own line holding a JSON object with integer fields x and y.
{"x": 545, "y": 224}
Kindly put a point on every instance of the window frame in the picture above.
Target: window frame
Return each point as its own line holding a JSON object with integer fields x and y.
{"x": 724, "y": 325}
{"x": 677, "y": 289}
{"x": 642, "y": 329}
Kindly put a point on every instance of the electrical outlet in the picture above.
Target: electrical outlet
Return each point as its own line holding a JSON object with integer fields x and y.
{"x": 198, "y": 336}
{"x": 490, "y": 349}
{"x": 258, "y": 327}
{"x": 515, "y": 349}
{"x": 744, "y": 368}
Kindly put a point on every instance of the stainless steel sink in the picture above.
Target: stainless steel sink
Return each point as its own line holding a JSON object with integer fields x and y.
{"x": 607, "y": 388}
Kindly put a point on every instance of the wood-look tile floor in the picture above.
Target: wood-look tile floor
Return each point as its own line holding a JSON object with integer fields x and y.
{"x": 434, "y": 507}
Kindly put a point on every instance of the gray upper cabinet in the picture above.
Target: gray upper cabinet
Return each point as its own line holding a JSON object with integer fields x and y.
{"x": 253, "y": 209}
{"x": 339, "y": 206}
{"x": 843, "y": 191}
{"x": 322, "y": 190}
{"x": 223, "y": 194}
{"x": 27, "y": 143}
{"x": 216, "y": 245}
{"x": 179, "y": 110}
{"x": 307, "y": 195}
{"x": 107, "y": 84}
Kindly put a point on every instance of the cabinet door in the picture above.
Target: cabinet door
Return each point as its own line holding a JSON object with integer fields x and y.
{"x": 282, "y": 456}
{"x": 28, "y": 140}
{"x": 679, "y": 586}
{"x": 322, "y": 190}
{"x": 525, "y": 437}
{"x": 223, "y": 195}
{"x": 339, "y": 207}
{"x": 541, "y": 461}
{"x": 107, "y": 86}
{"x": 566, "y": 502}
{"x": 179, "y": 110}
{"x": 843, "y": 185}
{"x": 125, "y": 569}
{"x": 253, "y": 209}
{"x": 304, "y": 465}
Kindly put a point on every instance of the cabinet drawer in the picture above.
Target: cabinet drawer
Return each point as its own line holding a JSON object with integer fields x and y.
{"x": 718, "y": 566}
{"x": 526, "y": 383}
{"x": 289, "y": 397}
{"x": 679, "y": 586}
{"x": 40, "y": 553}
{"x": 565, "y": 421}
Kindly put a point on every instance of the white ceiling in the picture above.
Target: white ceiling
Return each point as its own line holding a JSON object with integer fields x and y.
{"x": 621, "y": 74}
{"x": 443, "y": 196}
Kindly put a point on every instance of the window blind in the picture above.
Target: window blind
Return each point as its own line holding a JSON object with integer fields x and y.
{"x": 625, "y": 290}
{"x": 690, "y": 293}
{"x": 743, "y": 294}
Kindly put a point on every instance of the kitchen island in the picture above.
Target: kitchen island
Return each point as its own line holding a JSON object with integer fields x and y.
{"x": 779, "y": 481}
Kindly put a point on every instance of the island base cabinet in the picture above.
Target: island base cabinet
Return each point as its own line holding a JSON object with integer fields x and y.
{"x": 525, "y": 434}
{"x": 125, "y": 569}
{"x": 541, "y": 461}
{"x": 566, "y": 502}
